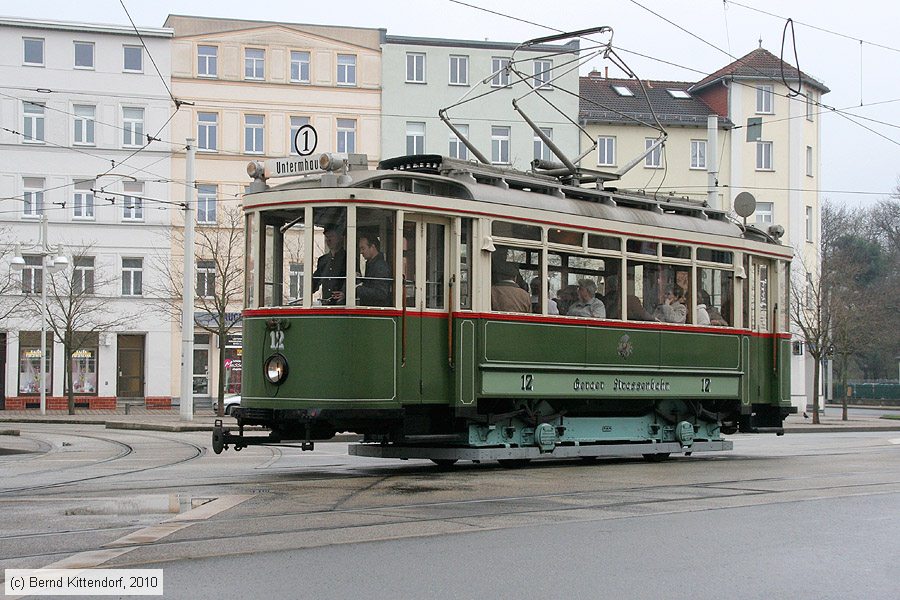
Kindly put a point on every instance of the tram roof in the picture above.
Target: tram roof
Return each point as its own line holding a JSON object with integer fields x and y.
{"x": 466, "y": 180}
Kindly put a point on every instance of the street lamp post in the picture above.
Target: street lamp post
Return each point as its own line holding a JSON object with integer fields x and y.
{"x": 58, "y": 263}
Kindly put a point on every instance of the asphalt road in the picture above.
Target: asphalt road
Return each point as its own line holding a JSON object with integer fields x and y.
{"x": 806, "y": 516}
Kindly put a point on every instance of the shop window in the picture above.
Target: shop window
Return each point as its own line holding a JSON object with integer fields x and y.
{"x": 30, "y": 363}
{"x": 84, "y": 364}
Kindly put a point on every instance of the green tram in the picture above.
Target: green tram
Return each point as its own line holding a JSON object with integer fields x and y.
{"x": 450, "y": 310}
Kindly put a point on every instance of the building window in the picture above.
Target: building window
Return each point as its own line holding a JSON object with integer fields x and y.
{"x": 296, "y": 124}
{"x": 84, "y": 367}
{"x": 254, "y": 63}
{"x": 30, "y": 363}
{"x": 83, "y": 275}
{"x": 606, "y": 150}
{"x": 809, "y": 107}
{"x": 132, "y": 126}
{"x": 809, "y": 161}
{"x": 207, "y": 131}
{"x": 764, "y": 99}
{"x": 206, "y": 203}
{"x": 206, "y": 278}
{"x": 254, "y": 130}
{"x": 459, "y": 70}
{"x": 415, "y": 67}
{"x": 346, "y": 69}
{"x": 132, "y": 203}
{"x": 84, "y": 55}
{"x": 500, "y": 69}
{"x": 809, "y": 223}
{"x": 33, "y": 194}
{"x": 32, "y": 275}
{"x": 654, "y": 159}
{"x": 698, "y": 154}
{"x": 207, "y": 61}
{"x": 84, "y": 124}
{"x": 542, "y": 70}
{"x": 500, "y": 145}
{"x": 133, "y": 59}
{"x": 83, "y": 200}
{"x": 763, "y": 156}
{"x": 457, "y": 148}
{"x": 810, "y": 291}
{"x": 415, "y": 138}
{"x": 542, "y": 150}
{"x": 346, "y": 135}
{"x": 764, "y": 213}
{"x": 132, "y": 276}
{"x": 299, "y": 67}
{"x": 33, "y": 52}
{"x": 623, "y": 90}
{"x": 34, "y": 122}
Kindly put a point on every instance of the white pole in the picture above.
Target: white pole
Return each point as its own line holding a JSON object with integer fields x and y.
{"x": 187, "y": 307}
{"x": 712, "y": 158}
{"x": 44, "y": 274}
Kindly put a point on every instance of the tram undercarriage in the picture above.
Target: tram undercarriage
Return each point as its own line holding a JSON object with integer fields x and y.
{"x": 509, "y": 431}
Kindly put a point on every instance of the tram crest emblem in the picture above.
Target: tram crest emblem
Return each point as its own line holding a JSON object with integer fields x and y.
{"x": 625, "y": 347}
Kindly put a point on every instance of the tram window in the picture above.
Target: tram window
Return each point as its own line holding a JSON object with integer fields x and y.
{"x": 434, "y": 265}
{"x": 642, "y": 290}
{"x": 565, "y": 270}
{"x": 674, "y": 251}
{"x": 293, "y": 251}
{"x": 784, "y": 296}
{"x": 604, "y": 242}
{"x": 642, "y": 247}
{"x": 718, "y": 256}
{"x": 513, "y": 268}
{"x": 465, "y": 264}
{"x": 715, "y": 289}
{"x": 251, "y": 240}
{"x": 273, "y": 282}
{"x": 516, "y": 230}
{"x": 409, "y": 263}
{"x": 329, "y": 280}
{"x": 375, "y": 258}
{"x": 566, "y": 237}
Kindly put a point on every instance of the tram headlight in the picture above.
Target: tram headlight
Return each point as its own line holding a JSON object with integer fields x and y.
{"x": 276, "y": 369}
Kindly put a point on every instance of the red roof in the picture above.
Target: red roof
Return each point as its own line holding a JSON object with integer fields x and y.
{"x": 760, "y": 64}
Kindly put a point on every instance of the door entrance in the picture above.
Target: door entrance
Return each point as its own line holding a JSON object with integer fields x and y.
{"x": 130, "y": 383}
{"x": 426, "y": 298}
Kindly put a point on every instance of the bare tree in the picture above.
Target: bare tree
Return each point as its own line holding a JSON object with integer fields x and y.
{"x": 11, "y": 301}
{"x": 77, "y": 310}
{"x": 219, "y": 282}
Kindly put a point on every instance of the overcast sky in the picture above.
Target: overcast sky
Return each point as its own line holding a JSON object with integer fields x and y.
{"x": 860, "y": 163}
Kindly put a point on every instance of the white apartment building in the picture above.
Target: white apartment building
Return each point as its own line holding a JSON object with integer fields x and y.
{"x": 423, "y": 75}
{"x": 86, "y": 144}
{"x": 250, "y": 86}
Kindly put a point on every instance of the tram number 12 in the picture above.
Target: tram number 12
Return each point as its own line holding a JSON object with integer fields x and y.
{"x": 277, "y": 339}
{"x": 527, "y": 382}
{"x": 704, "y": 385}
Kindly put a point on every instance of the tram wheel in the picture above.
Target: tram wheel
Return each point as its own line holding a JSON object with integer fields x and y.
{"x": 655, "y": 458}
{"x": 513, "y": 463}
{"x": 444, "y": 462}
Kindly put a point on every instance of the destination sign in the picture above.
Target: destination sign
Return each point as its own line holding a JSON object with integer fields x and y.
{"x": 609, "y": 385}
{"x": 292, "y": 167}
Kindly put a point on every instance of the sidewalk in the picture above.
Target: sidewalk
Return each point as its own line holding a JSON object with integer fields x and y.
{"x": 170, "y": 420}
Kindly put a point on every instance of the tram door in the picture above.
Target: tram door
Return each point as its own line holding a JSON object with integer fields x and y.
{"x": 425, "y": 374}
{"x": 759, "y": 314}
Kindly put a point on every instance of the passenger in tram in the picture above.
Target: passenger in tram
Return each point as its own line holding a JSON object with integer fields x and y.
{"x": 612, "y": 299}
{"x": 715, "y": 317}
{"x": 636, "y": 310}
{"x": 331, "y": 268}
{"x": 506, "y": 294}
{"x": 373, "y": 289}
{"x": 587, "y": 305}
{"x": 565, "y": 297}
{"x": 552, "y": 308}
{"x": 673, "y": 308}
{"x": 703, "y": 310}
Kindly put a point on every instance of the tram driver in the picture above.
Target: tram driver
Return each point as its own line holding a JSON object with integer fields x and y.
{"x": 373, "y": 288}
{"x": 331, "y": 268}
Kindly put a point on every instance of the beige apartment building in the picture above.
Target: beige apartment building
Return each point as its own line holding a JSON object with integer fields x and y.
{"x": 248, "y": 86}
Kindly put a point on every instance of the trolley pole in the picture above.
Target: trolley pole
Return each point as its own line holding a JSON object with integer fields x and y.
{"x": 187, "y": 308}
